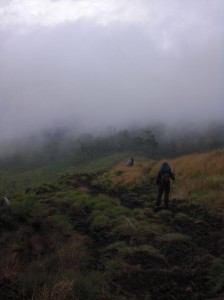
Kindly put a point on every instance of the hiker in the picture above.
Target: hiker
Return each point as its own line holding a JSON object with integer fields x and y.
{"x": 130, "y": 162}
{"x": 163, "y": 181}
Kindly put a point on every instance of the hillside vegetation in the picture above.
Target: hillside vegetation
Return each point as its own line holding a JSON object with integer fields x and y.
{"x": 44, "y": 156}
{"x": 23, "y": 175}
{"x": 95, "y": 235}
{"x": 199, "y": 177}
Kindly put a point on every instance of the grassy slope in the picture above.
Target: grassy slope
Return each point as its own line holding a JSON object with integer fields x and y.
{"x": 97, "y": 237}
{"x": 13, "y": 179}
{"x": 199, "y": 177}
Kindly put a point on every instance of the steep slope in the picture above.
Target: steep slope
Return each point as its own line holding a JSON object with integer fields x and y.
{"x": 96, "y": 236}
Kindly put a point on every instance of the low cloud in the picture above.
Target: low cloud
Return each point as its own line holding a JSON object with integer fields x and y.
{"x": 92, "y": 65}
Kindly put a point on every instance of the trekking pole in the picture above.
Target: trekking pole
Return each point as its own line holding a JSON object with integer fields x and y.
{"x": 172, "y": 181}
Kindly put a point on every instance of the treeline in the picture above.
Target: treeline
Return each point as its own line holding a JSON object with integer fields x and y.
{"x": 152, "y": 141}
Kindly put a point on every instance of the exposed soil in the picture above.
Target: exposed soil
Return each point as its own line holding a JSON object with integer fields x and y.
{"x": 164, "y": 254}
{"x": 185, "y": 273}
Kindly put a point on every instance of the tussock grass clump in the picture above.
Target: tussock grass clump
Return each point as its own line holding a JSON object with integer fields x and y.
{"x": 147, "y": 233}
{"x": 114, "y": 248}
{"x": 118, "y": 212}
{"x": 175, "y": 246}
{"x": 104, "y": 202}
{"x": 135, "y": 231}
{"x": 46, "y": 188}
{"x": 62, "y": 290}
{"x": 100, "y": 202}
{"x": 165, "y": 216}
{"x": 75, "y": 285}
{"x": 183, "y": 222}
{"x": 82, "y": 201}
{"x": 144, "y": 256}
{"x": 216, "y": 278}
{"x": 70, "y": 196}
{"x": 22, "y": 205}
{"x": 60, "y": 221}
{"x": 124, "y": 229}
{"x": 99, "y": 223}
{"x": 174, "y": 237}
{"x": 114, "y": 269}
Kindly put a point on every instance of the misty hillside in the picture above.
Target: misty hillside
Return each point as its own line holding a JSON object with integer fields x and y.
{"x": 84, "y": 86}
{"x": 96, "y": 235}
{"x": 28, "y": 162}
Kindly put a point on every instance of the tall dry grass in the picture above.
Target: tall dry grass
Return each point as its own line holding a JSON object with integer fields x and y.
{"x": 199, "y": 177}
{"x": 122, "y": 174}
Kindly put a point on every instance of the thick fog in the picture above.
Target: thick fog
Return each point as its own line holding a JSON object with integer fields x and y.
{"x": 91, "y": 64}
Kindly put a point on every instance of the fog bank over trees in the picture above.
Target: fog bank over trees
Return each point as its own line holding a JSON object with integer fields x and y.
{"x": 94, "y": 64}
{"x": 153, "y": 141}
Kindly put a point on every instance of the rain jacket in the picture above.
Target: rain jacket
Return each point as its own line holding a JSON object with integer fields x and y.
{"x": 165, "y": 168}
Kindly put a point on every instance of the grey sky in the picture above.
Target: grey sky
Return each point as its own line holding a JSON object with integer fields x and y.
{"x": 98, "y": 63}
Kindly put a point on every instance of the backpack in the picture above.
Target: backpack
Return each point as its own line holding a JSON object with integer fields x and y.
{"x": 166, "y": 177}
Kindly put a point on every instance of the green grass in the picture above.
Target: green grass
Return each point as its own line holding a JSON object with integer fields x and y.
{"x": 69, "y": 241}
{"x": 216, "y": 279}
{"x": 15, "y": 179}
{"x": 175, "y": 237}
{"x": 60, "y": 221}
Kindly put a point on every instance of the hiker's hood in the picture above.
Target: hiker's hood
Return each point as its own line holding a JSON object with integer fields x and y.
{"x": 165, "y": 167}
